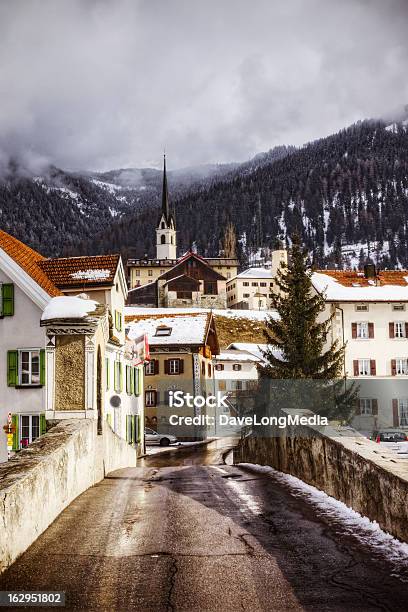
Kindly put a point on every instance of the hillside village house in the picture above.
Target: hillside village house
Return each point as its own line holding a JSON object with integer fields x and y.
{"x": 181, "y": 351}
{"x": 253, "y": 288}
{"x": 58, "y": 354}
{"x": 371, "y": 315}
{"x": 236, "y": 373}
{"x": 171, "y": 281}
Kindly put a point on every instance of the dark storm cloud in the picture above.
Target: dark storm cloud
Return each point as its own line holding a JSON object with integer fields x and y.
{"x": 108, "y": 83}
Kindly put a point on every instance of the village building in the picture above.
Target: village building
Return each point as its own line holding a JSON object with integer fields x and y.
{"x": 236, "y": 374}
{"x": 182, "y": 347}
{"x": 370, "y": 315}
{"x": 254, "y": 288}
{"x": 56, "y": 349}
{"x": 145, "y": 273}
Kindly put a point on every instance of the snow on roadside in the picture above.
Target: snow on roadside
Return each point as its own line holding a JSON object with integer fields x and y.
{"x": 367, "y": 532}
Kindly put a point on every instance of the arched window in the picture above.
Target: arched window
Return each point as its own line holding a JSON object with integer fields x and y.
{"x": 163, "y": 239}
{"x": 163, "y": 225}
{"x": 171, "y": 239}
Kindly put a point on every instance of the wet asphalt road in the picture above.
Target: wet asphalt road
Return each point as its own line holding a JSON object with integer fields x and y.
{"x": 183, "y": 533}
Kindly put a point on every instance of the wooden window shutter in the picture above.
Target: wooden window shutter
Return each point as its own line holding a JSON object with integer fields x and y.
{"x": 12, "y": 368}
{"x": 139, "y": 382}
{"x": 128, "y": 428}
{"x": 166, "y": 366}
{"x": 14, "y": 422}
{"x": 391, "y": 330}
{"x": 181, "y": 366}
{"x": 373, "y": 369}
{"x": 132, "y": 429}
{"x": 120, "y": 376}
{"x": 156, "y": 366}
{"x": 374, "y": 407}
{"x": 358, "y": 407}
{"x": 8, "y": 299}
{"x": 43, "y": 424}
{"x": 156, "y": 396}
{"x": 115, "y": 376}
{"x": 371, "y": 330}
{"x": 42, "y": 367}
{"x": 393, "y": 367}
{"x": 406, "y": 330}
{"x": 354, "y": 330}
{"x": 395, "y": 415}
{"x": 355, "y": 367}
{"x": 139, "y": 429}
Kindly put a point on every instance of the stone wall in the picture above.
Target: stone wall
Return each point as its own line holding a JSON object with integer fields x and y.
{"x": 70, "y": 373}
{"x": 362, "y": 474}
{"x": 42, "y": 480}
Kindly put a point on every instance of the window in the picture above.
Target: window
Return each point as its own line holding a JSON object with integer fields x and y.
{"x": 228, "y": 274}
{"x": 366, "y": 406}
{"x": 270, "y": 295}
{"x": 364, "y": 367}
{"x": 262, "y": 284}
{"x": 254, "y": 284}
{"x": 29, "y": 371}
{"x": 174, "y": 366}
{"x": 163, "y": 226}
{"x": 107, "y": 373}
{"x": 219, "y": 367}
{"x": 184, "y": 295}
{"x": 361, "y": 307}
{"x": 203, "y": 368}
{"x": 163, "y": 330}
{"x": 403, "y": 412}
{"x": 399, "y": 329}
{"x": 401, "y": 366}
{"x": 163, "y": 239}
{"x": 151, "y": 398}
{"x": 246, "y": 284}
{"x": 150, "y": 368}
{"x": 246, "y": 295}
{"x": 209, "y": 370}
{"x": 398, "y": 307}
{"x": 150, "y": 273}
{"x": 29, "y": 428}
{"x": 237, "y": 367}
{"x": 271, "y": 284}
{"x": 210, "y": 288}
{"x": 7, "y": 300}
{"x": 129, "y": 380}
{"x": 137, "y": 272}
{"x": 362, "y": 330}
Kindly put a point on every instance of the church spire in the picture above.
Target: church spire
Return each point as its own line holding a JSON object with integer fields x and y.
{"x": 165, "y": 194}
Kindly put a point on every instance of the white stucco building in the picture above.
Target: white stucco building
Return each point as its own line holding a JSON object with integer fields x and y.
{"x": 371, "y": 317}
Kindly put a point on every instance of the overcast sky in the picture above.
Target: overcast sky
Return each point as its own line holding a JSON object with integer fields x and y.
{"x": 100, "y": 84}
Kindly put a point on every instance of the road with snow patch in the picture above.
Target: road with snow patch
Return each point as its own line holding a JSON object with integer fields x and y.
{"x": 186, "y": 532}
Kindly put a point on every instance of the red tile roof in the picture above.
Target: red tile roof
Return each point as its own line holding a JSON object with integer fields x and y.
{"x": 349, "y": 278}
{"x": 29, "y": 260}
{"x": 81, "y": 272}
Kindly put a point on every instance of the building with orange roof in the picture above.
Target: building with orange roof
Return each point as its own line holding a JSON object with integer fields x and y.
{"x": 370, "y": 315}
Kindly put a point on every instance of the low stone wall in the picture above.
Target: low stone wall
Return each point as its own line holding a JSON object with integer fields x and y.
{"x": 37, "y": 484}
{"x": 362, "y": 474}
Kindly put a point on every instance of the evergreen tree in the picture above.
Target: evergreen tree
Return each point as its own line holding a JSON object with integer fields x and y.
{"x": 297, "y": 345}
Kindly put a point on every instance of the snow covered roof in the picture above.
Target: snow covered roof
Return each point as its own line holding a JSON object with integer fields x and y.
{"x": 188, "y": 329}
{"x": 87, "y": 271}
{"x": 236, "y": 355}
{"x": 131, "y": 312}
{"x": 255, "y": 273}
{"x": 68, "y": 307}
{"x": 353, "y": 286}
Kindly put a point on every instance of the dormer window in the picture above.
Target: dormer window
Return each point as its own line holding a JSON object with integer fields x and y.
{"x": 163, "y": 330}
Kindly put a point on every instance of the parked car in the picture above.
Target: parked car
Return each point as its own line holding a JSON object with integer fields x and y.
{"x": 152, "y": 437}
{"x": 394, "y": 439}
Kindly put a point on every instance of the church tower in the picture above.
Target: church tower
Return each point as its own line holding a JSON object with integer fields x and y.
{"x": 166, "y": 247}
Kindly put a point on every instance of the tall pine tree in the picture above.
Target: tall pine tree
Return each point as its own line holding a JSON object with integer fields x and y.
{"x": 297, "y": 345}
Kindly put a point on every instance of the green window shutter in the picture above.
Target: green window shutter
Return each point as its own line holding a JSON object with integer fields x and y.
{"x": 132, "y": 423}
{"x": 128, "y": 428}
{"x": 116, "y": 375}
{"x": 132, "y": 380}
{"x": 14, "y": 420}
{"x": 127, "y": 378}
{"x": 8, "y": 299}
{"x": 120, "y": 377}
{"x": 12, "y": 368}
{"x": 43, "y": 424}
{"x": 139, "y": 381}
{"x": 109, "y": 418}
{"x": 139, "y": 432}
{"x": 42, "y": 367}
{"x": 107, "y": 373}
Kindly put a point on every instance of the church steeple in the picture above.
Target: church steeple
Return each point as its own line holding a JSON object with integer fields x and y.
{"x": 166, "y": 247}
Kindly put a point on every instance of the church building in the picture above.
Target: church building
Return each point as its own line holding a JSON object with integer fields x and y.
{"x": 168, "y": 280}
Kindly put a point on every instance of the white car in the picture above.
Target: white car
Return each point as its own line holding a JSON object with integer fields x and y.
{"x": 152, "y": 437}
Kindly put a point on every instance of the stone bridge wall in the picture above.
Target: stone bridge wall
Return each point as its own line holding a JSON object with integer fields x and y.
{"x": 362, "y": 474}
{"x": 42, "y": 480}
